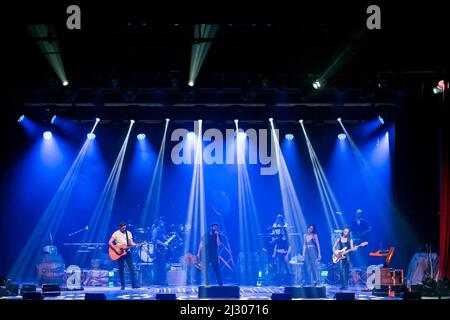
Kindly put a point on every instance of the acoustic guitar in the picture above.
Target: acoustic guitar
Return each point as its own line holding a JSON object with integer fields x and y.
{"x": 120, "y": 250}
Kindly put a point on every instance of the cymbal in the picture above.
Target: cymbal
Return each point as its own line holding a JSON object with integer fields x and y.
{"x": 288, "y": 227}
{"x": 141, "y": 230}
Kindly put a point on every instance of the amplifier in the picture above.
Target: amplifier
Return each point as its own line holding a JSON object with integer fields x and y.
{"x": 391, "y": 276}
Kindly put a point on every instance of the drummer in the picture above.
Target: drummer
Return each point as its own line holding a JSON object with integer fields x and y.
{"x": 280, "y": 223}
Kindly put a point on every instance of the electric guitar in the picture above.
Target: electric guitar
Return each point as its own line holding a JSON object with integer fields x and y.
{"x": 165, "y": 246}
{"x": 341, "y": 253}
{"x": 121, "y": 250}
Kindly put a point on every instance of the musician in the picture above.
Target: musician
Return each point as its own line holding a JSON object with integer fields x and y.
{"x": 360, "y": 228}
{"x": 281, "y": 253}
{"x": 311, "y": 254}
{"x": 124, "y": 237}
{"x": 211, "y": 242}
{"x": 158, "y": 237}
{"x": 344, "y": 241}
{"x": 280, "y": 221}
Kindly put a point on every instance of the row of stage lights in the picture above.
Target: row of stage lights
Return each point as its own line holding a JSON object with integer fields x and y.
{"x": 191, "y": 135}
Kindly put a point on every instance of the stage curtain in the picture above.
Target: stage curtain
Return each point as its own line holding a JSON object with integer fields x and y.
{"x": 444, "y": 259}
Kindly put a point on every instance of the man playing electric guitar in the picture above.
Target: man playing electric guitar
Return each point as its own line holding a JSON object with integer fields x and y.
{"x": 158, "y": 237}
{"x": 360, "y": 228}
{"x": 123, "y": 238}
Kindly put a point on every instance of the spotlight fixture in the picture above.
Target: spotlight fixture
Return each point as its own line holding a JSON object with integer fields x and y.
{"x": 21, "y": 118}
{"x": 316, "y": 84}
{"x": 440, "y": 87}
{"x": 270, "y": 119}
{"x": 140, "y": 136}
{"x": 191, "y": 135}
{"x": 191, "y": 83}
{"x": 47, "y": 135}
{"x": 300, "y": 121}
{"x": 97, "y": 119}
{"x": 91, "y": 136}
{"x": 200, "y": 120}
{"x": 236, "y": 121}
{"x": 53, "y": 119}
{"x": 339, "y": 119}
{"x": 167, "y": 119}
{"x": 132, "y": 121}
{"x": 65, "y": 83}
{"x": 342, "y": 136}
{"x": 381, "y": 119}
{"x": 289, "y": 136}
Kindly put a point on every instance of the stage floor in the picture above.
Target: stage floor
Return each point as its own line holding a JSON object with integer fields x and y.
{"x": 191, "y": 293}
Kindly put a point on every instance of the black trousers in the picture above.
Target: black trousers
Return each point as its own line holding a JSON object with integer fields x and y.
{"x": 160, "y": 274}
{"x": 129, "y": 260}
{"x": 310, "y": 269}
{"x": 344, "y": 268}
{"x": 283, "y": 270}
{"x": 213, "y": 261}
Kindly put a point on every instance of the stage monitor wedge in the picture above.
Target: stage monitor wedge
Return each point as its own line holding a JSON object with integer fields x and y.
{"x": 218, "y": 292}
{"x": 165, "y": 296}
{"x": 306, "y": 292}
{"x": 94, "y": 296}
{"x": 344, "y": 296}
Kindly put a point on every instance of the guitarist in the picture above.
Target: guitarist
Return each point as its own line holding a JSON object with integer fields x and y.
{"x": 344, "y": 241}
{"x": 360, "y": 228}
{"x": 123, "y": 237}
{"x": 158, "y": 237}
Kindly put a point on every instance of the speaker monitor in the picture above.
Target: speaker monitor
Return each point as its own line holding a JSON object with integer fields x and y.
{"x": 166, "y": 296}
{"x": 32, "y": 296}
{"x": 281, "y": 296}
{"x": 306, "y": 292}
{"x": 51, "y": 290}
{"x": 219, "y": 292}
{"x": 94, "y": 296}
{"x": 13, "y": 289}
{"x": 344, "y": 296}
{"x": 27, "y": 288}
{"x": 412, "y": 295}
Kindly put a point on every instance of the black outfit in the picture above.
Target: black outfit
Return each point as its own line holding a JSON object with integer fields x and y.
{"x": 344, "y": 264}
{"x": 158, "y": 234}
{"x": 282, "y": 266}
{"x": 358, "y": 229}
{"x": 129, "y": 260}
{"x": 311, "y": 261}
{"x": 211, "y": 256}
{"x": 359, "y": 259}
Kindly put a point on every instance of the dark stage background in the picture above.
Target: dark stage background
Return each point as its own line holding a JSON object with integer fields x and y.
{"x": 403, "y": 215}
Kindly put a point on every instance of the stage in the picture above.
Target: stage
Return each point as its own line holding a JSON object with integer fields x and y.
{"x": 191, "y": 293}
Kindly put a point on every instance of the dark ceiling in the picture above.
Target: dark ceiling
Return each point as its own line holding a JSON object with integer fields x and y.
{"x": 290, "y": 46}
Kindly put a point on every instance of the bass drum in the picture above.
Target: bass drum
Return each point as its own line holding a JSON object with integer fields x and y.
{"x": 147, "y": 252}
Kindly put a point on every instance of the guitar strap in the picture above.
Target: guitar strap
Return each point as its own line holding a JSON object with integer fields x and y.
{"x": 128, "y": 243}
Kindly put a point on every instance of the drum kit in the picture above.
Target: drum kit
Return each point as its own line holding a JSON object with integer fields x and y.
{"x": 174, "y": 239}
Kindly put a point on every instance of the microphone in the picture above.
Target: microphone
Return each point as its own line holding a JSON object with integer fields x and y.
{"x": 78, "y": 231}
